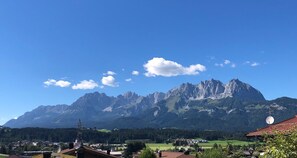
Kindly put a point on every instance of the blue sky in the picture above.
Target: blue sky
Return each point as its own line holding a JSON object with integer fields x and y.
{"x": 52, "y": 52}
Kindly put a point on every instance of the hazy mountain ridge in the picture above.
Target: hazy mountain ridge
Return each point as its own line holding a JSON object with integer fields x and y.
{"x": 208, "y": 105}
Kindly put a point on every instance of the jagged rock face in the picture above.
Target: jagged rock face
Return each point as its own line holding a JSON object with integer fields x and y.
{"x": 129, "y": 96}
{"x": 238, "y": 89}
{"x": 185, "y": 90}
{"x": 214, "y": 89}
{"x": 156, "y": 97}
{"x": 223, "y": 106}
{"x": 210, "y": 89}
{"x": 93, "y": 100}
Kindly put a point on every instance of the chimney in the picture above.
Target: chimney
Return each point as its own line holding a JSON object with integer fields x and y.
{"x": 108, "y": 151}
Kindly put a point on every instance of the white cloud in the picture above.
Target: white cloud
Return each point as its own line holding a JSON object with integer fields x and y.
{"x": 226, "y": 62}
{"x": 135, "y": 73}
{"x": 62, "y": 83}
{"x": 111, "y": 73}
{"x": 254, "y": 64}
{"x": 49, "y": 82}
{"x": 167, "y": 68}
{"x": 128, "y": 80}
{"x": 109, "y": 81}
{"x": 85, "y": 84}
{"x": 59, "y": 83}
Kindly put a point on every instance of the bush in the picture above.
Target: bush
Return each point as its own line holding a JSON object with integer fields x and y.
{"x": 281, "y": 145}
{"x": 133, "y": 147}
{"x": 147, "y": 153}
{"x": 213, "y": 153}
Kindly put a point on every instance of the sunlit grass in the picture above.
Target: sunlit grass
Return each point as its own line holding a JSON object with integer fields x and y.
{"x": 223, "y": 143}
{"x": 3, "y": 156}
{"x": 104, "y": 130}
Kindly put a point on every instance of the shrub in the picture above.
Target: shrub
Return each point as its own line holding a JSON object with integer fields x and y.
{"x": 147, "y": 153}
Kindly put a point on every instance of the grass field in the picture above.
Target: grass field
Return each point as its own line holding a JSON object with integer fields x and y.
{"x": 104, "y": 130}
{"x": 223, "y": 143}
{"x": 160, "y": 146}
{"x": 3, "y": 156}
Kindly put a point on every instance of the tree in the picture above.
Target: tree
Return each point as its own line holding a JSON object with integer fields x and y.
{"x": 281, "y": 145}
{"x": 229, "y": 148}
{"x": 215, "y": 146}
{"x": 133, "y": 147}
{"x": 213, "y": 153}
{"x": 3, "y": 150}
{"x": 196, "y": 146}
{"x": 147, "y": 153}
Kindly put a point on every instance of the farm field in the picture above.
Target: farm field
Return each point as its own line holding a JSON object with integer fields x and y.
{"x": 3, "y": 156}
{"x": 223, "y": 143}
{"x": 104, "y": 130}
{"x": 160, "y": 146}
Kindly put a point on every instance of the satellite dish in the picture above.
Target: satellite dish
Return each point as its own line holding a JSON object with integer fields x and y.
{"x": 269, "y": 120}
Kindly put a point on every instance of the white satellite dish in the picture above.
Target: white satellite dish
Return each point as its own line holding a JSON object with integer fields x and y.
{"x": 269, "y": 120}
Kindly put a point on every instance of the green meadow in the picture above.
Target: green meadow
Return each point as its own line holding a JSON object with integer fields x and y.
{"x": 3, "y": 156}
{"x": 223, "y": 143}
{"x": 104, "y": 130}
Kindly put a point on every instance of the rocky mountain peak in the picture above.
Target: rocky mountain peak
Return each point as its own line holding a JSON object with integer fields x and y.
{"x": 97, "y": 108}
{"x": 215, "y": 89}
{"x": 236, "y": 84}
{"x": 211, "y": 81}
{"x": 130, "y": 95}
{"x": 92, "y": 99}
{"x": 243, "y": 91}
{"x": 156, "y": 97}
{"x": 92, "y": 95}
{"x": 210, "y": 89}
{"x": 210, "y": 84}
{"x": 185, "y": 90}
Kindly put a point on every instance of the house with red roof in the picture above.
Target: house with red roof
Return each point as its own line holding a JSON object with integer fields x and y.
{"x": 284, "y": 127}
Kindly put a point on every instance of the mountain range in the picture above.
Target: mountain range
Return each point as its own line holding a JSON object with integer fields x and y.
{"x": 209, "y": 105}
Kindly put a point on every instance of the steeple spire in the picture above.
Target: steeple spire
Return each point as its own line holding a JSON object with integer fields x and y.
{"x": 79, "y": 141}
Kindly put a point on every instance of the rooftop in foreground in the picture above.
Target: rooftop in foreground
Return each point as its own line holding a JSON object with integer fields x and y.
{"x": 282, "y": 127}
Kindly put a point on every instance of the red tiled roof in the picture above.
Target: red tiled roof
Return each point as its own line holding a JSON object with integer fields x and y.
{"x": 283, "y": 127}
{"x": 168, "y": 154}
{"x": 186, "y": 156}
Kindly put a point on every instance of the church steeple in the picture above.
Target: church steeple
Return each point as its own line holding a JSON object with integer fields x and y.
{"x": 79, "y": 141}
